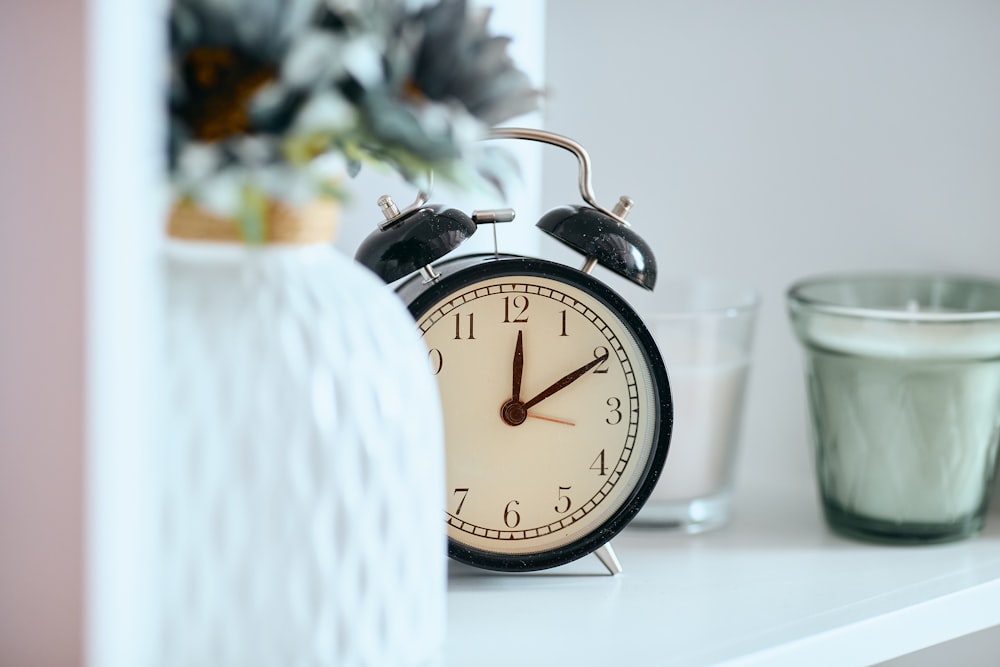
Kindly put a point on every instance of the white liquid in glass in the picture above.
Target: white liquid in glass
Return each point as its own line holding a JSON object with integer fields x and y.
{"x": 708, "y": 402}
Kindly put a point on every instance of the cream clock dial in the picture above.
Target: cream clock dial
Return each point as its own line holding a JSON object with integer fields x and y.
{"x": 557, "y": 410}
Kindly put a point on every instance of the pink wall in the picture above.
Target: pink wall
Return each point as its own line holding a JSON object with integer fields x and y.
{"x": 42, "y": 250}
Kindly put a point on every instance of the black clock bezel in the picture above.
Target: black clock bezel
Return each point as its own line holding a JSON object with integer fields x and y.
{"x": 458, "y": 273}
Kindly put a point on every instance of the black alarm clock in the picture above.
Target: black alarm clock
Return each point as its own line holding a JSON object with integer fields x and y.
{"x": 556, "y": 401}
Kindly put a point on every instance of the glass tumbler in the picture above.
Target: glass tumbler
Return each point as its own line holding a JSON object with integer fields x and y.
{"x": 704, "y": 330}
{"x": 903, "y": 377}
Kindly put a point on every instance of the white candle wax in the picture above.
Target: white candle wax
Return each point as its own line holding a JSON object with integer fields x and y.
{"x": 707, "y": 404}
{"x": 907, "y": 415}
{"x": 905, "y": 441}
{"x": 707, "y": 380}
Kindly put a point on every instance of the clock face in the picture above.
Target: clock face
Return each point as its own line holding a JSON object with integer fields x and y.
{"x": 552, "y": 415}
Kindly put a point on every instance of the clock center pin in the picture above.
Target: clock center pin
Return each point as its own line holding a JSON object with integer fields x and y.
{"x": 513, "y": 413}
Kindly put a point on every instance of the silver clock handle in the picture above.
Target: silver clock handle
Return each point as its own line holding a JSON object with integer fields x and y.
{"x": 586, "y": 189}
{"x": 393, "y": 214}
{"x": 609, "y": 558}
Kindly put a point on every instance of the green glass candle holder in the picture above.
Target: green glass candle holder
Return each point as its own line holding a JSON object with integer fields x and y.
{"x": 903, "y": 377}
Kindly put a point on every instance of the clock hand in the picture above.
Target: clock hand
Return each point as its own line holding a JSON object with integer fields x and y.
{"x": 552, "y": 419}
{"x": 565, "y": 381}
{"x": 518, "y": 368}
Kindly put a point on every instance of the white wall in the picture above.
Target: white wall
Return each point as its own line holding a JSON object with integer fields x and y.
{"x": 763, "y": 141}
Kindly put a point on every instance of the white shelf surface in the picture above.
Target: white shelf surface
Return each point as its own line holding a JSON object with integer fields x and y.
{"x": 775, "y": 587}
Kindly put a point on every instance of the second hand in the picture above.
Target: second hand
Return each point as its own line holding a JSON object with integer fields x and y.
{"x": 551, "y": 419}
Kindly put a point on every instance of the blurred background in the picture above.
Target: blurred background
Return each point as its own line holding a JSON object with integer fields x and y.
{"x": 762, "y": 141}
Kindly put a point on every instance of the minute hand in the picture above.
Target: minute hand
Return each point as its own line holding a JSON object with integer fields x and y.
{"x": 564, "y": 382}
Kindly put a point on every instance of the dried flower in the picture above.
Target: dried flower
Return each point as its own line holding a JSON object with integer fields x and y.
{"x": 263, "y": 93}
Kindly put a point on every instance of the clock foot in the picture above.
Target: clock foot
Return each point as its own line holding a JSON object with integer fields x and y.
{"x": 609, "y": 559}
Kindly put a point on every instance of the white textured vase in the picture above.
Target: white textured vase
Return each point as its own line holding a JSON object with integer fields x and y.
{"x": 302, "y": 466}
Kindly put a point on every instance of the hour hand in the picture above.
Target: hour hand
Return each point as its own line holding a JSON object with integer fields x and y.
{"x": 518, "y": 368}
